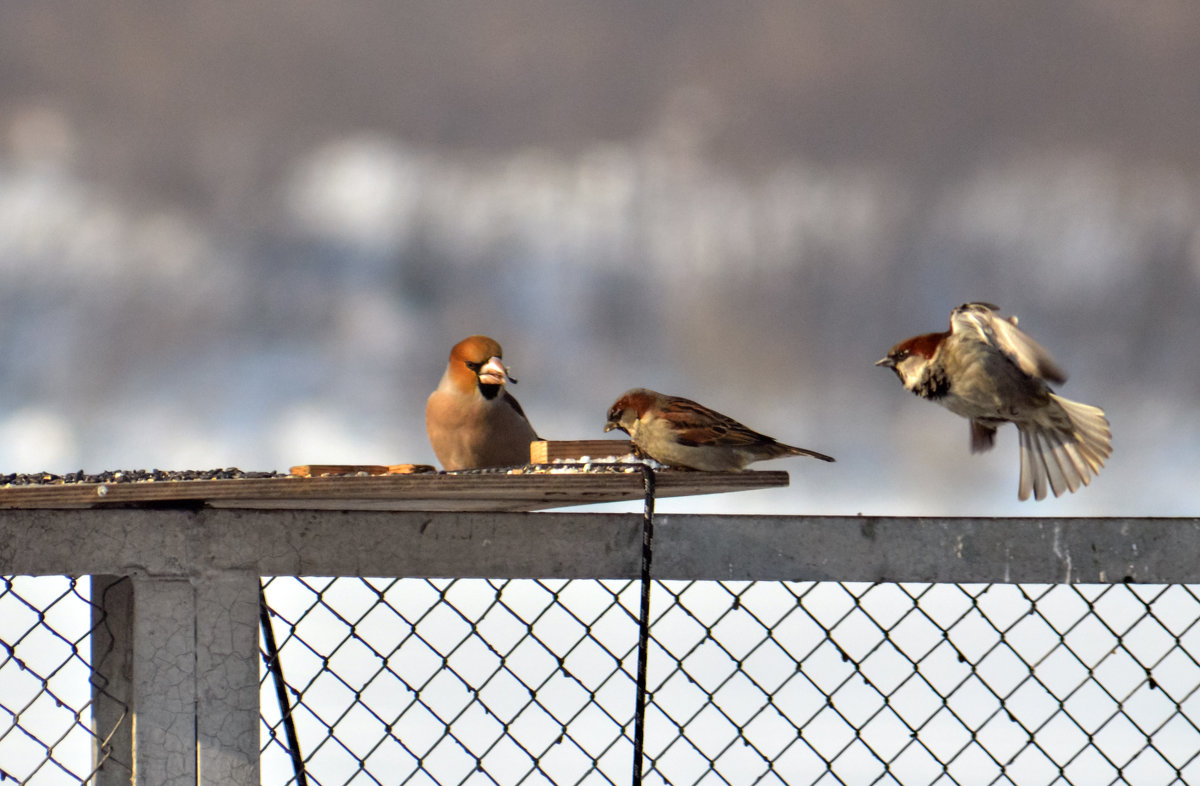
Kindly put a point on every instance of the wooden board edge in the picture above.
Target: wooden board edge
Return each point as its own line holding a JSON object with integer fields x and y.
{"x": 548, "y": 451}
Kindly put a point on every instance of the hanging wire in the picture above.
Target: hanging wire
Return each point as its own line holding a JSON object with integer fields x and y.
{"x": 639, "y": 715}
{"x": 285, "y": 708}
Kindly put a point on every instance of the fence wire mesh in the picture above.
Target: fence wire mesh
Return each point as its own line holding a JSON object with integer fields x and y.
{"x": 47, "y": 734}
{"x": 522, "y": 681}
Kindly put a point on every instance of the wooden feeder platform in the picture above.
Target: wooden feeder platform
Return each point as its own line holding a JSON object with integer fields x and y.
{"x": 407, "y": 487}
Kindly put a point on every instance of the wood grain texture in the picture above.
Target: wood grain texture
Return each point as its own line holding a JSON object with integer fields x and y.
{"x": 440, "y": 491}
{"x": 544, "y": 451}
{"x": 324, "y": 470}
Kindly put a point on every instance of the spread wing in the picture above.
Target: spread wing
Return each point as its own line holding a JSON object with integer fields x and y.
{"x": 982, "y": 321}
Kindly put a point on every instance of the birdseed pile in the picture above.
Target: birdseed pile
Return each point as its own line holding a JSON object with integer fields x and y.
{"x": 131, "y": 476}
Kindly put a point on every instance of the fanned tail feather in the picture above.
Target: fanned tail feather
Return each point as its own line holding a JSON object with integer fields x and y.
{"x": 1064, "y": 455}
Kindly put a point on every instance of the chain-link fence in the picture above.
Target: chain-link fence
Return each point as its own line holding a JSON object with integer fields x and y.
{"x": 525, "y": 681}
{"x": 47, "y": 684}
{"x": 522, "y": 681}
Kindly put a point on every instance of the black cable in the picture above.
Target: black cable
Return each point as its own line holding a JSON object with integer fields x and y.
{"x": 639, "y": 715}
{"x": 285, "y": 707}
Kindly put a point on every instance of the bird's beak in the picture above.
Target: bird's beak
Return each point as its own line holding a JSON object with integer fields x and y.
{"x": 494, "y": 373}
{"x": 609, "y": 426}
{"x": 886, "y": 363}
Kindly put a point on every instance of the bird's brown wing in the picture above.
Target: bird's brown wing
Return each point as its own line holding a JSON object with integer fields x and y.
{"x": 697, "y": 425}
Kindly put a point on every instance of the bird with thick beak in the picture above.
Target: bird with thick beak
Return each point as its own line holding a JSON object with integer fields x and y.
{"x": 472, "y": 420}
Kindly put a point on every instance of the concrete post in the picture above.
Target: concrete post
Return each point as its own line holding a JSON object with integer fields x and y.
{"x": 178, "y": 679}
{"x": 227, "y": 714}
{"x": 164, "y": 682}
{"x": 112, "y": 683}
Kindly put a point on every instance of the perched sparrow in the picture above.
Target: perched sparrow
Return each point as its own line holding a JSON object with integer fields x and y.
{"x": 682, "y": 433}
{"x": 471, "y": 419}
{"x": 987, "y": 370}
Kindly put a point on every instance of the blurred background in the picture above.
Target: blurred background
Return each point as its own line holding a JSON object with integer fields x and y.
{"x": 248, "y": 235}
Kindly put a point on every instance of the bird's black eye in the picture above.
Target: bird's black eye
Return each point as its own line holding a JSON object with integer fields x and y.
{"x": 474, "y": 366}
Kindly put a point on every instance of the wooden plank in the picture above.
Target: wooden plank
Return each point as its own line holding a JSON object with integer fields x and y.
{"x": 545, "y": 452}
{"x": 324, "y": 470}
{"x": 440, "y": 491}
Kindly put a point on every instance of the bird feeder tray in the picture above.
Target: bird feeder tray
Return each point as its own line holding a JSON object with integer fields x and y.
{"x": 402, "y": 487}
